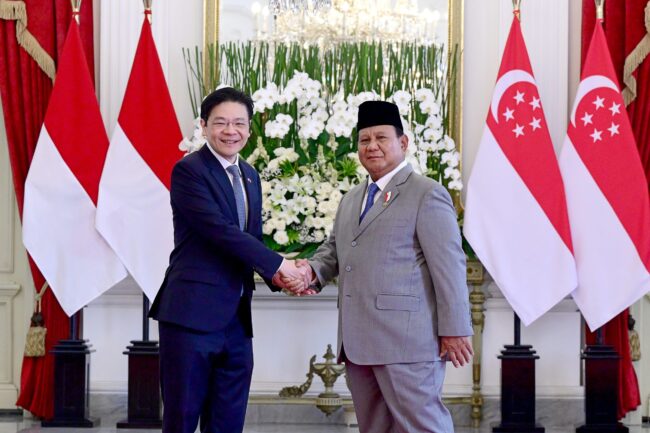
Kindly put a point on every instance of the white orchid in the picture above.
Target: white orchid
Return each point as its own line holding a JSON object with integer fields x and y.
{"x": 402, "y": 99}
{"x": 451, "y": 159}
{"x": 424, "y": 94}
{"x": 281, "y": 237}
{"x": 430, "y": 107}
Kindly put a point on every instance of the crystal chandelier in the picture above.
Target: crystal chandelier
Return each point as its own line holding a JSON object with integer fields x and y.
{"x": 277, "y": 7}
{"x": 324, "y": 22}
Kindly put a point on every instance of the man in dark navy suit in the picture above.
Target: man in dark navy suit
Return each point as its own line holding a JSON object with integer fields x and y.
{"x": 204, "y": 304}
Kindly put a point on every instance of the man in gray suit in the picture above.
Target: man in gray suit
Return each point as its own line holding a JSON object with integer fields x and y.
{"x": 403, "y": 298}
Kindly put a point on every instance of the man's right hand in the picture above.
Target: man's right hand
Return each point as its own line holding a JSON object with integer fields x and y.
{"x": 295, "y": 277}
{"x": 291, "y": 277}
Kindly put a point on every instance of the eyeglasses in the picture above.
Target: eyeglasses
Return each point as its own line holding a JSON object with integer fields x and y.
{"x": 240, "y": 125}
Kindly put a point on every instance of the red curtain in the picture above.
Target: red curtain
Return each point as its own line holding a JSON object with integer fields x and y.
{"x": 25, "y": 90}
{"x": 624, "y": 28}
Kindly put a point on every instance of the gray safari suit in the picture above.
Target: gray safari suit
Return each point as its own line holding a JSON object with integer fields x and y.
{"x": 402, "y": 285}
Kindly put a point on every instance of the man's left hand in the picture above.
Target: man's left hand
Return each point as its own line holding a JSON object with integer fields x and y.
{"x": 457, "y": 349}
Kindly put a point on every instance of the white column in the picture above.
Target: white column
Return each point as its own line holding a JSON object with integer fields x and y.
{"x": 15, "y": 304}
{"x": 545, "y": 26}
{"x": 175, "y": 25}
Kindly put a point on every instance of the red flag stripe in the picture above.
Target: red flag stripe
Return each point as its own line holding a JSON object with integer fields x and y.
{"x": 518, "y": 123}
{"x": 155, "y": 135}
{"x": 601, "y": 133}
{"x": 73, "y": 102}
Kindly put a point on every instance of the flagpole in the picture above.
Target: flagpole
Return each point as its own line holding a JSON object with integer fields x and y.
{"x": 518, "y": 368}
{"x": 144, "y": 407}
{"x": 517, "y": 330}
{"x": 600, "y": 10}
{"x": 147, "y": 10}
{"x": 516, "y": 8}
{"x": 72, "y": 356}
{"x": 601, "y": 368}
{"x": 145, "y": 318}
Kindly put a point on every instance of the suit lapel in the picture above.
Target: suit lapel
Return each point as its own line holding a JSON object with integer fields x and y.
{"x": 385, "y": 200}
{"x": 221, "y": 179}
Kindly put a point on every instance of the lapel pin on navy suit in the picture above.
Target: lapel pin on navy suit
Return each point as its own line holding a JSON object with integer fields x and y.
{"x": 249, "y": 180}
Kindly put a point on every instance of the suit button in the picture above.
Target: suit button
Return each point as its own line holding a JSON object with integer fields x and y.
{"x": 354, "y": 243}
{"x": 348, "y": 268}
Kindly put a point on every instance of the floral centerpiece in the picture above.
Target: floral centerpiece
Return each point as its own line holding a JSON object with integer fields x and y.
{"x": 303, "y": 131}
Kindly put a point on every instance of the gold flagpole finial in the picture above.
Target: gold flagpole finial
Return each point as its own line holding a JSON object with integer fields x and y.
{"x": 600, "y": 10}
{"x": 147, "y": 9}
{"x": 516, "y": 8}
{"x": 76, "y": 6}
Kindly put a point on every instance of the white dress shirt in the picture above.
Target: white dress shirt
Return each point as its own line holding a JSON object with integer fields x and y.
{"x": 225, "y": 163}
{"x": 382, "y": 182}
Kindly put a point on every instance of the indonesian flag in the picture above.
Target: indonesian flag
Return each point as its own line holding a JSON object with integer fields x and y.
{"x": 515, "y": 215}
{"x": 134, "y": 213}
{"x": 62, "y": 185}
{"x": 607, "y": 194}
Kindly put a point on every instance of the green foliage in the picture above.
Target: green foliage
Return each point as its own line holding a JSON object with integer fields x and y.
{"x": 348, "y": 67}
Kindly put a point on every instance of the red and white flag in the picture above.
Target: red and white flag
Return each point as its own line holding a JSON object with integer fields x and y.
{"x": 515, "y": 214}
{"x": 607, "y": 194}
{"x": 134, "y": 213}
{"x": 61, "y": 188}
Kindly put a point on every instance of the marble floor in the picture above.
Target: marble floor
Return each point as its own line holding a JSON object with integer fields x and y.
{"x": 9, "y": 424}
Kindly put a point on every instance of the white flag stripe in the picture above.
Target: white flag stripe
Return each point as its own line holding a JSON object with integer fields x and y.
{"x": 524, "y": 235}
{"x": 134, "y": 212}
{"x": 60, "y": 233}
{"x": 606, "y": 257}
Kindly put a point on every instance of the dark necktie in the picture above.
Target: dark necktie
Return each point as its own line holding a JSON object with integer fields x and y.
{"x": 239, "y": 195}
{"x": 372, "y": 191}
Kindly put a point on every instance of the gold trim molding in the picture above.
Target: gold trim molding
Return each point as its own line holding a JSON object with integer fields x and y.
{"x": 456, "y": 39}
{"x": 211, "y": 17}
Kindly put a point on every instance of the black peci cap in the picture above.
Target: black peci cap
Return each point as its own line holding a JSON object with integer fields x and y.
{"x": 373, "y": 113}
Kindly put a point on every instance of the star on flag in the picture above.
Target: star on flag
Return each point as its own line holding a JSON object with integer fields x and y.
{"x": 535, "y": 103}
{"x": 519, "y": 97}
{"x": 599, "y": 120}
{"x": 599, "y": 102}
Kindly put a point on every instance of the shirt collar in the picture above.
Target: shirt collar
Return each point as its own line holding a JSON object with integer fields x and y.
{"x": 383, "y": 181}
{"x": 223, "y": 161}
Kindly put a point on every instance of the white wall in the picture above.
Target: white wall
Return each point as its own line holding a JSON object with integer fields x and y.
{"x": 16, "y": 287}
{"x": 545, "y": 26}
{"x": 175, "y": 25}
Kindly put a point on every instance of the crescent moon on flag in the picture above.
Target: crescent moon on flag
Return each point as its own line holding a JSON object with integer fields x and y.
{"x": 586, "y": 86}
{"x": 508, "y": 79}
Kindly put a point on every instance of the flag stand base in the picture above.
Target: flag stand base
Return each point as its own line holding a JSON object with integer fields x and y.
{"x": 71, "y": 376}
{"x": 518, "y": 390}
{"x": 144, "y": 386}
{"x": 601, "y": 390}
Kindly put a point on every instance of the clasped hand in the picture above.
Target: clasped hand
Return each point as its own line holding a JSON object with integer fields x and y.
{"x": 294, "y": 277}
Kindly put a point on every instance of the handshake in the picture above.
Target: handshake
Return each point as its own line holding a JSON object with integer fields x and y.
{"x": 295, "y": 277}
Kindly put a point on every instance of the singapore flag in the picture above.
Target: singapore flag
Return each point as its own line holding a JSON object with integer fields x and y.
{"x": 515, "y": 214}
{"x": 607, "y": 194}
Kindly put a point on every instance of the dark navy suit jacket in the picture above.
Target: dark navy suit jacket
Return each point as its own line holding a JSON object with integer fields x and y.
{"x": 212, "y": 258}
